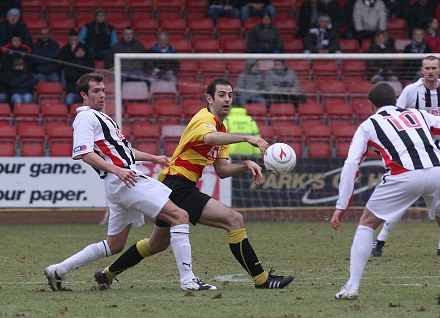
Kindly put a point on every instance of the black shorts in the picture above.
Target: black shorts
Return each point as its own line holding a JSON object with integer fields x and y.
{"x": 187, "y": 196}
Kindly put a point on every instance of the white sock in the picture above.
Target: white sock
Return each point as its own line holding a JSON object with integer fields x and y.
{"x": 84, "y": 257}
{"x": 182, "y": 251}
{"x": 360, "y": 253}
{"x": 385, "y": 232}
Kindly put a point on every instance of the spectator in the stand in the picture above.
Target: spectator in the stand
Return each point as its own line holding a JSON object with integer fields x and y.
{"x": 16, "y": 50}
{"x": 256, "y": 8}
{"x": 282, "y": 84}
{"x": 432, "y": 35}
{"x": 382, "y": 70}
{"x": 81, "y": 63}
{"x": 417, "y": 45}
{"x": 369, "y": 16}
{"x": 99, "y": 35}
{"x": 224, "y": 8}
{"x": 264, "y": 37}
{"x": 134, "y": 70}
{"x": 45, "y": 68}
{"x": 164, "y": 69}
{"x": 396, "y": 9}
{"x": 309, "y": 12}
{"x": 13, "y": 25}
{"x": 250, "y": 84}
{"x": 4, "y": 84}
{"x": 341, "y": 14}
{"x": 67, "y": 52}
{"x": 323, "y": 38}
{"x": 21, "y": 83}
{"x": 239, "y": 122}
{"x": 419, "y": 13}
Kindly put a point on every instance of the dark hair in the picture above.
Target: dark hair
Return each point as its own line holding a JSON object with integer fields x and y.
{"x": 210, "y": 90}
{"x": 83, "y": 83}
{"x": 430, "y": 58}
{"x": 382, "y": 94}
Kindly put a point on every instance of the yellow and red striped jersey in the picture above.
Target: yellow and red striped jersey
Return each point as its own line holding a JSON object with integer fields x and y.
{"x": 192, "y": 154}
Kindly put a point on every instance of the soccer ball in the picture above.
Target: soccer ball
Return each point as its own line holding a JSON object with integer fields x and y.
{"x": 279, "y": 158}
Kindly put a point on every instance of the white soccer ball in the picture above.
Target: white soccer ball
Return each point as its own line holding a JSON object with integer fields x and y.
{"x": 279, "y": 158}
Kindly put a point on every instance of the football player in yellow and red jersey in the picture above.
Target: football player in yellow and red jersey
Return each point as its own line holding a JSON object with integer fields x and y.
{"x": 205, "y": 141}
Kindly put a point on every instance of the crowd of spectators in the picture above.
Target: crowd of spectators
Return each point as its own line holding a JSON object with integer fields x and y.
{"x": 320, "y": 25}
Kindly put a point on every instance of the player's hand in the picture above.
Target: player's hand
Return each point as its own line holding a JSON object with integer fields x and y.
{"x": 163, "y": 160}
{"x": 258, "y": 142}
{"x": 337, "y": 218}
{"x": 127, "y": 176}
{"x": 257, "y": 175}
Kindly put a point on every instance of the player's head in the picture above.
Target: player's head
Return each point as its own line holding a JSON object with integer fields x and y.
{"x": 219, "y": 94}
{"x": 91, "y": 89}
{"x": 382, "y": 94}
{"x": 430, "y": 68}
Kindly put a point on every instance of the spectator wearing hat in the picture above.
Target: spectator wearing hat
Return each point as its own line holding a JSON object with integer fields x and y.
{"x": 21, "y": 83}
{"x": 309, "y": 12}
{"x": 12, "y": 25}
{"x": 99, "y": 35}
{"x": 46, "y": 51}
{"x": 256, "y": 8}
{"x": 265, "y": 37}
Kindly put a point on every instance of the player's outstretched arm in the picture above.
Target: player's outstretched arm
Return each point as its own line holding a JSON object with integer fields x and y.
{"x": 220, "y": 138}
{"x": 144, "y": 156}
{"x": 225, "y": 169}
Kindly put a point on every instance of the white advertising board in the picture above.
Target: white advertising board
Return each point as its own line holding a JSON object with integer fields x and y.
{"x": 54, "y": 182}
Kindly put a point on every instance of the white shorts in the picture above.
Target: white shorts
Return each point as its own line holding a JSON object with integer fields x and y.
{"x": 127, "y": 206}
{"x": 395, "y": 194}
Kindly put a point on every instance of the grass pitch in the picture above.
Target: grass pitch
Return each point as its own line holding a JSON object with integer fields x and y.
{"x": 404, "y": 282}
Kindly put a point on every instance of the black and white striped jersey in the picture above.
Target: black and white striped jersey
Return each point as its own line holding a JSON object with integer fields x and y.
{"x": 417, "y": 96}
{"x": 403, "y": 137}
{"x": 96, "y": 131}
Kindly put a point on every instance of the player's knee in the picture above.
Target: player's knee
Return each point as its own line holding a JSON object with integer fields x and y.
{"x": 235, "y": 221}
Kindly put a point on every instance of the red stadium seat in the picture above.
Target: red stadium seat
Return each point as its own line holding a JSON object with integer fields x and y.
{"x": 226, "y": 25}
{"x": 288, "y": 134}
{"x": 60, "y": 25}
{"x": 190, "y": 107}
{"x": 267, "y": 132}
{"x": 287, "y": 26}
{"x": 27, "y": 114}
{"x": 182, "y": 46}
{"x": 139, "y": 112}
{"x": 328, "y": 88}
{"x": 319, "y": 149}
{"x": 282, "y": 112}
{"x": 293, "y": 46}
{"x": 397, "y": 28}
{"x": 31, "y": 140}
{"x": 206, "y": 46}
{"x": 151, "y": 147}
{"x": 145, "y": 132}
{"x": 257, "y": 111}
{"x": 8, "y": 139}
{"x": 140, "y": 5}
{"x": 327, "y": 69}
{"x": 114, "y": 5}
{"x": 311, "y": 111}
{"x": 201, "y": 26}
{"x": 173, "y": 25}
{"x": 169, "y": 113}
{"x": 54, "y": 112}
{"x": 49, "y": 90}
{"x": 5, "y": 114}
{"x": 215, "y": 68}
{"x": 349, "y": 46}
{"x": 357, "y": 68}
{"x": 338, "y": 110}
{"x": 234, "y": 46}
